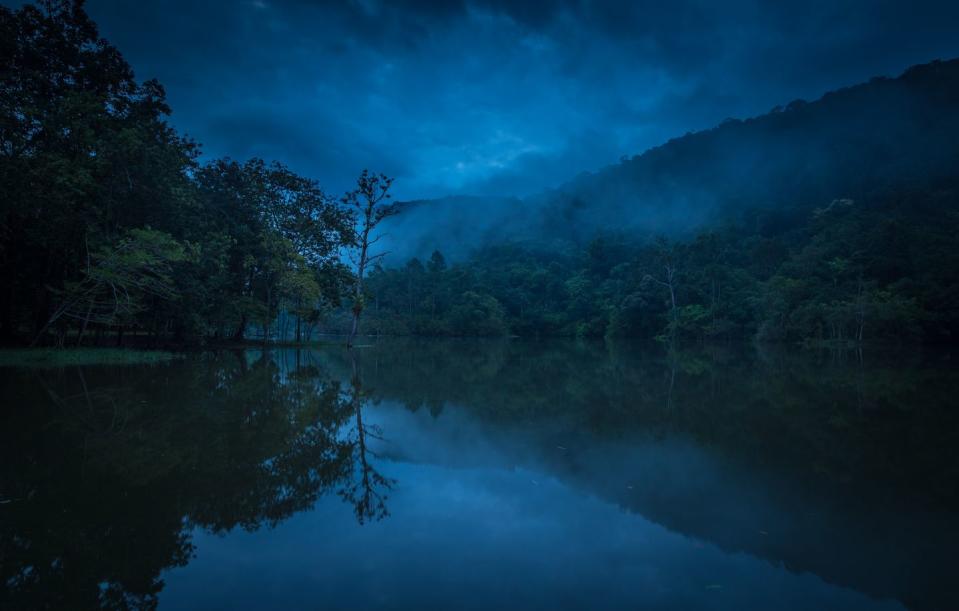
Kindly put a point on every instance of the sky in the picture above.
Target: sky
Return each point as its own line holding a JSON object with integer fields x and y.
{"x": 491, "y": 97}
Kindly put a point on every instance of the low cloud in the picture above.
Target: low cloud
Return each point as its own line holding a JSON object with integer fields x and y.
{"x": 494, "y": 97}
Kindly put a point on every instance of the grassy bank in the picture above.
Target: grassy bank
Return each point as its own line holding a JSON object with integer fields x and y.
{"x": 53, "y": 357}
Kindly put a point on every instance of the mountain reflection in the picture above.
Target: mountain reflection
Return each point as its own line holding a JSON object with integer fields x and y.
{"x": 828, "y": 463}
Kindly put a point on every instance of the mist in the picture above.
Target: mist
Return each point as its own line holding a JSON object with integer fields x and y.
{"x": 786, "y": 163}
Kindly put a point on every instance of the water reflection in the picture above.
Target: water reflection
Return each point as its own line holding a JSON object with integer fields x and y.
{"x": 106, "y": 470}
{"x": 367, "y": 489}
{"x": 829, "y": 464}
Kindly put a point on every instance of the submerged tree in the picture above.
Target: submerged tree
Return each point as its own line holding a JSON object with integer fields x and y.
{"x": 370, "y": 206}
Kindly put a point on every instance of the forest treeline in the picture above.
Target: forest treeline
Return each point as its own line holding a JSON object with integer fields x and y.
{"x": 854, "y": 271}
{"x": 109, "y": 222}
{"x": 111, "y": 226}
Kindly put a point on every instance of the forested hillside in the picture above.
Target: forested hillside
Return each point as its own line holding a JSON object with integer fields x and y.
{"x": 853, "y": 271}
{"x": 827, "y": 221}
{"x": 859, "y": 143}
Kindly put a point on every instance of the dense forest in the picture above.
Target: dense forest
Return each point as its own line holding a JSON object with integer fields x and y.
{"x": 854, "y": 271}
{"x": 830, "y": 221}
{"x": 111, "y": 223}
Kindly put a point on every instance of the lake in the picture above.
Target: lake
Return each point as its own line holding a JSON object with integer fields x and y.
{"x": 469, "y": 474}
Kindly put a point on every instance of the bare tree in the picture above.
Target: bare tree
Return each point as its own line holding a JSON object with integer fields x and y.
{"x": 667, "y": 258}
{"x": 668, "y": 281}
{"x": 370, "y": 205}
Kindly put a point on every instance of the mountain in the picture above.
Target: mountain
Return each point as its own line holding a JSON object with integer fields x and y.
{"x": 856, "y": 143}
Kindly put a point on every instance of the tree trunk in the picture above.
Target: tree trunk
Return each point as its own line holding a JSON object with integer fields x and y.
{"x": 358, "y": 290}
{"x": 269, "y": 317}
{"x": 355, "y": 328}
{"x": 241, "y": 329}
{"x": 83, "y": 328}
{"x": 7, "y": 309}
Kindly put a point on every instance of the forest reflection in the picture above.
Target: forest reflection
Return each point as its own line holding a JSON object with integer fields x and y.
{"x": 108, "y": 470}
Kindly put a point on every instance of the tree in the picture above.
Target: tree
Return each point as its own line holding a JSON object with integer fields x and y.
{"x": 666, "y": 256}
{"x": 370, "y": 205}
{"x": 285, "y": 235}
{"x": 85, "y": 156}
{"x": 118, "y": 281}
{"x": 477, "y": 315}
{"x": 437, "y": 263}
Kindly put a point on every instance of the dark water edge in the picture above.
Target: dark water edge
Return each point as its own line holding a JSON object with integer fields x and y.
{"x": 474, "y": 474}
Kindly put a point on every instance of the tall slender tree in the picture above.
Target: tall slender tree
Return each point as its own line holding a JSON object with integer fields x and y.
{"x": 370, "y": 204}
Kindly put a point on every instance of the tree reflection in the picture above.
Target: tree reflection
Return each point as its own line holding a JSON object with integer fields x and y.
{"x": 105, "y": 471}
{"x": 366, "y": 489}
{"x": 853, "y": 455}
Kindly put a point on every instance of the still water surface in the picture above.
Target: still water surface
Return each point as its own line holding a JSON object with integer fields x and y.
{"x": 484, "y": 474}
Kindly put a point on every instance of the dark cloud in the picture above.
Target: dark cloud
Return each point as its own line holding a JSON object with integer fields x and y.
{"x": 495, "y": 97}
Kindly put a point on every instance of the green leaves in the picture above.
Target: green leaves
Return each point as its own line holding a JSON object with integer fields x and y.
{"x": 120, "y": 279}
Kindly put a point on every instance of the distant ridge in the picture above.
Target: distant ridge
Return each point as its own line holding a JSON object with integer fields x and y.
{"x": 856, "y": 142}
